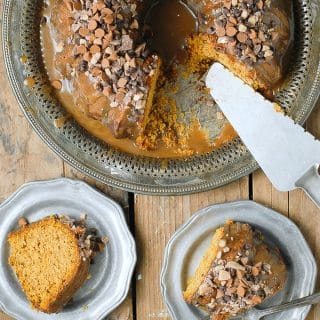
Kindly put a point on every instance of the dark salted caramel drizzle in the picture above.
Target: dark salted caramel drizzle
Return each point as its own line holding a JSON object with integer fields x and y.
{"x": 79, "y": 97}
{"x": 168, "y": 23}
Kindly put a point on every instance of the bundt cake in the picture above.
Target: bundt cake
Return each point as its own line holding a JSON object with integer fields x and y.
{"x": 237, "y": 272}
{"x": 51, "y": 259}
{"x": 104, "y": 59}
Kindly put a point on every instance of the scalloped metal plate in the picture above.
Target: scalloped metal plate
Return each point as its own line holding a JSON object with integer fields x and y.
{"x": 142, "y": 174}
{"x": 113, "y": 268}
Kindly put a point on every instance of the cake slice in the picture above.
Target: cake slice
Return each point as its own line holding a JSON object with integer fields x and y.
{"x": 51, "y": 259}
{"x": 237, "y": 272}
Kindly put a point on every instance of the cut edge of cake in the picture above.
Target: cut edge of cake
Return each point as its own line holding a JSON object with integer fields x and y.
{"x": 202, "y": 47}
{"x": 204, "y": 266}
{"x": 152, "y": 82}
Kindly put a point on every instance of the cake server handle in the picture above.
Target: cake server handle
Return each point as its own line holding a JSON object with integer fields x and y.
{"x": 310, "y": 183}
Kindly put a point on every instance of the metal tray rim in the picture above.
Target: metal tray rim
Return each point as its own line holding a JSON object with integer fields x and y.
{"x": 123, "y": 183}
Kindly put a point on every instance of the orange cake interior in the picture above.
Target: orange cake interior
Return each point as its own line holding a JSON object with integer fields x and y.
{"x": 51, "y": 259}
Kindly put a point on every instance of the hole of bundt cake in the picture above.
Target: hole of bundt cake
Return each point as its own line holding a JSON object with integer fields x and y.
{"x": 168, "y": 23}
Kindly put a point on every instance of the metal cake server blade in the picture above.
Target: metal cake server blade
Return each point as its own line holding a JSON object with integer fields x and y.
{"x": 288, "y": 155}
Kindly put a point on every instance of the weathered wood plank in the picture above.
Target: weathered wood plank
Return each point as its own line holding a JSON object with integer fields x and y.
{"x": 24, "y": 157}
{"x": 125, "y": 310}
{"x": 156, "y": 219}
{"x": 305, "y": 213}
{"x": 266, "y": 194}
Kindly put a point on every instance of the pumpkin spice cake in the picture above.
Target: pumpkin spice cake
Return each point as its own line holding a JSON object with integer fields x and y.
{"x": 237, "y": 272}
{"x": 116, "y": 64}
{"x": 51, "y": 259}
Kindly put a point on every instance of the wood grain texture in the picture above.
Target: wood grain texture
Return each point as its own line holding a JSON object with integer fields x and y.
{"x": 156, "y": 219}
{"x": 21, "y": 150}
{"x": 266, "y": 194}
{"x": 305, "y": 214}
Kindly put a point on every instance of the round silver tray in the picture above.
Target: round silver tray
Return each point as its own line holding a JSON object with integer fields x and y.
{"x": 21, "y": 36}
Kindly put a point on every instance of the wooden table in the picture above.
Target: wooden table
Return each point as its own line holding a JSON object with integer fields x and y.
{"x": 152, "y": 219}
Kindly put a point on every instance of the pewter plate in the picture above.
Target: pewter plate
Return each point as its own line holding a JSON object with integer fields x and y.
{"x": 187, "y": 246}
{"x": 21, "y": 36}
{"x": 110, "y": 274}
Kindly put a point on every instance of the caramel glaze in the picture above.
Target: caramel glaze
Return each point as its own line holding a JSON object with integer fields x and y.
{"x": 83, "y": 102}
{"x": 278, "y": 278}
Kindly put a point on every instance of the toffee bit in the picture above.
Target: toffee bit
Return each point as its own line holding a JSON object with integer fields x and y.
{"x": 83, "y": 66}
{"x": 22, "y": 222}
{"x": 57, "y": 84}
{"x": 43, "y": 20}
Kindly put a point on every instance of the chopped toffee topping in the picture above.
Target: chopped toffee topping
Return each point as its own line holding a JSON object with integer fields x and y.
{"x": 88, "y": 240}
{"x": 233, "y": 286}
{"x": 106, "y": 39}
{"x": 241, "y": 28}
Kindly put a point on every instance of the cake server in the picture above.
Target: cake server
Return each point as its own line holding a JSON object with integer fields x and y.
{"x": 257, "y": 314}
{"x": 288, "y": 155}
